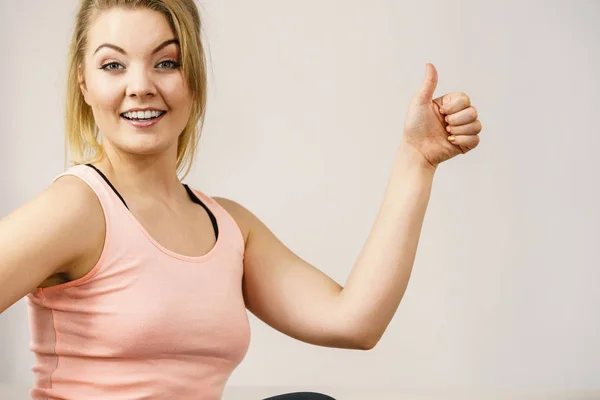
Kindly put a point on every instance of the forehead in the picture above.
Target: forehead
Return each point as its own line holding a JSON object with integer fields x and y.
{"x": 135, "y": 30}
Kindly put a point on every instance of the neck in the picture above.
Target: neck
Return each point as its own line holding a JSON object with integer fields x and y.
{"x": 143, "y": 177}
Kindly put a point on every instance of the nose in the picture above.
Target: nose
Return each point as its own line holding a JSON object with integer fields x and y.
{"x": 140, "y": 83}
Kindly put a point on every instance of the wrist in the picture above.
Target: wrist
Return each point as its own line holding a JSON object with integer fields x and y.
{"x": 409, "y": 157}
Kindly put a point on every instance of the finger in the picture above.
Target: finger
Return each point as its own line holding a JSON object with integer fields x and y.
{"x": 464, "y": 142}
{"x": 462, "y": 117}
{"x": 469, "y": 129}
{"x": 453, "y": 102}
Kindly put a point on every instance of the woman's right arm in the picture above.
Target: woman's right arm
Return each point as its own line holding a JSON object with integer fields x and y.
{"x": 46, "y": 236}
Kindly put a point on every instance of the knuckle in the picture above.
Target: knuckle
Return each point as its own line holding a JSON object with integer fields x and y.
{"x": 465, "y": 98}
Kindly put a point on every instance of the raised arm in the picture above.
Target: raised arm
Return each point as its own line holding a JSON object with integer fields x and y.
{"x": 299, "y": 300}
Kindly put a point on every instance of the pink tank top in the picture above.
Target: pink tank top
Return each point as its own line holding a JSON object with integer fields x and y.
{"x": 145, "y": 322}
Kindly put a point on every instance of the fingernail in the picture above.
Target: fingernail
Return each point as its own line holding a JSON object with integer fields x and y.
{"x": 451, "y": 139}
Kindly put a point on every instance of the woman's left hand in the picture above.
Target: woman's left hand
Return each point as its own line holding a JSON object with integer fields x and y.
{"x": 441, "y": 128}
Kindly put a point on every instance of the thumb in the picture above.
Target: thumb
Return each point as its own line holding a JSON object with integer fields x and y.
{"x": 425, "y": 94}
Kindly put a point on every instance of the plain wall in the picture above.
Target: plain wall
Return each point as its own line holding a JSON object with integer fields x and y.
{"x": 306, "y": 109}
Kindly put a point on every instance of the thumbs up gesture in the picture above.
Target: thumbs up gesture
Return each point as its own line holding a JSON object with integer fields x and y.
{"x": 441, "y": 128}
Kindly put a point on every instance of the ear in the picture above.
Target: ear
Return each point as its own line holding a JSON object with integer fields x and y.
{"x": 82, "y": 85}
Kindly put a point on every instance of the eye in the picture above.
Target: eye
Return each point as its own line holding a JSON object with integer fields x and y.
{"x": 168, "y": 64}
{"x": 111, "y": 66}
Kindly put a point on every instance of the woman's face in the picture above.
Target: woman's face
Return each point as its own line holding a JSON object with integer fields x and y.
{"x": 132, "y": 80}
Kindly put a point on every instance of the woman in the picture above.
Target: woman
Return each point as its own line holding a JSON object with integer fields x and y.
{"x": 137, "y": 285}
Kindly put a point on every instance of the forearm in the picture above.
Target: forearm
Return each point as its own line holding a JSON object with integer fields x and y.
{"x": 380, "y": 276}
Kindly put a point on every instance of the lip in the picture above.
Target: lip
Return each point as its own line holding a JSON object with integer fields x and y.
{"x": 144, "y": 124}
{"x": 143, "y": 109}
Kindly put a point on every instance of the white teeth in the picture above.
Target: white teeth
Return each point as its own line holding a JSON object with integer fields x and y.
{"x": 143, "y": 114}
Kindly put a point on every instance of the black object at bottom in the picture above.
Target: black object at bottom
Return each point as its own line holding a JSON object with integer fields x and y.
{"x": 301, "y": 396}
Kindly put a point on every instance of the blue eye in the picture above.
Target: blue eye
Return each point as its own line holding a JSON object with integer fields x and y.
{"x": 170, "y": 64}
{"x": 111, "y": 66}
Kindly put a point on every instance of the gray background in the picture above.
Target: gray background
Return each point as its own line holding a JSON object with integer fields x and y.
{"x": 306, "y": 108}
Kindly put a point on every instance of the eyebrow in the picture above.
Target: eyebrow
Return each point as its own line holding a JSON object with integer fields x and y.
{"x": 156, "y": 50}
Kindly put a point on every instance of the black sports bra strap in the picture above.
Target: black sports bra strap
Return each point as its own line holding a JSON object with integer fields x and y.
{"x": 109, "y": 184}
{"x": 194, "y": 198}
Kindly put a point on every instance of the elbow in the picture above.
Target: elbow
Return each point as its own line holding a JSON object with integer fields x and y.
{"x": 362, "y": 340}
{"x": 368, "y": 343}
{"x": 357, "y": 334}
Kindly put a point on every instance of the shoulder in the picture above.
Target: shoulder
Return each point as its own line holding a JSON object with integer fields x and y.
{"x": 67, "y": 199}
{"x": 77, "y": 211}
{"x": 72, "y": 187}
{"x": 244, "y": 218}
{"x": 60, "y": 225}
{"x": 75, "y": 198}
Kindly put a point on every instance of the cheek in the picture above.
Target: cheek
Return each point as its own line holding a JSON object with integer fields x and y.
{"x": 176, "y": 93}
{"x": 105, "y": 94}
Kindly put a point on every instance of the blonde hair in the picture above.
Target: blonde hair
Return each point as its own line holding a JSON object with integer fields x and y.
{"x": 81, "y": 136}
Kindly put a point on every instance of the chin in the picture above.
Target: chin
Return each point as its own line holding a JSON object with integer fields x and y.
{"x": 147, "y": 146}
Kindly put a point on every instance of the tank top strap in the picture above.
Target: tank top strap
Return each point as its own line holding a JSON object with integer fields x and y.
{"x": 228, "y": 226}
{"x": 110, "y": 200}
{"x": 119, "y": 219}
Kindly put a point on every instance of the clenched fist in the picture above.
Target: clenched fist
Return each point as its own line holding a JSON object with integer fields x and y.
{"x": 441, "y": 128}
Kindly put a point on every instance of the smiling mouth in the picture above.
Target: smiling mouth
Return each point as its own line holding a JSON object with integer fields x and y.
{"x": 143, "y": 115}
